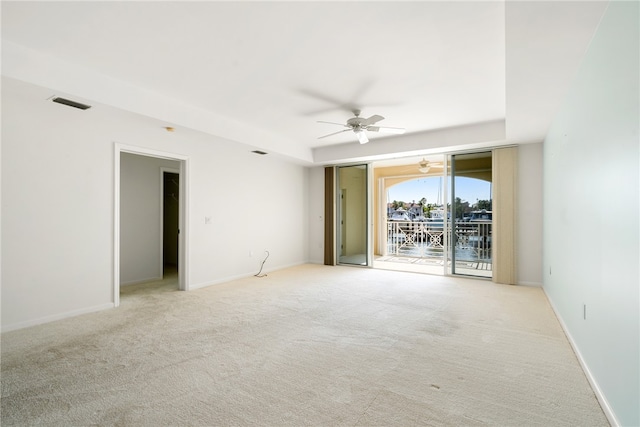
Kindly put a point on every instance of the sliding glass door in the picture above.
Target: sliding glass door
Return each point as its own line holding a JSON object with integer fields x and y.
{"x": 470, "y": 216}
{"x": 352, "y": 215}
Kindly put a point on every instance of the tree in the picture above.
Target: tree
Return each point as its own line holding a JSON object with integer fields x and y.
{"x": 429, "y": 208}
{"x": 483, "y": 204}
{"x": 462, "y": 207}
{"x": 397, "y": 204}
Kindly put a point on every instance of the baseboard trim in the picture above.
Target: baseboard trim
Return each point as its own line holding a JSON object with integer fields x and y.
{"x": 136, "y": 282}
{"x": 54, "y": 317}
{"x": 534, "y": 284}
{"x": 218, "y": 281}
{"x": 604, "y": 403}
{"x": 241, "y": 276}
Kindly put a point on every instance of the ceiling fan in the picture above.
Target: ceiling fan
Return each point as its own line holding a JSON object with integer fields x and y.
{"x": 424, "y": 166}
{"x": 360, "y": 126}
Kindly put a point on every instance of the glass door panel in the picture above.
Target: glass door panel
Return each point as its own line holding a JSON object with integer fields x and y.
{"x": 352, "y": 215}
{"x": 470, "y": 215}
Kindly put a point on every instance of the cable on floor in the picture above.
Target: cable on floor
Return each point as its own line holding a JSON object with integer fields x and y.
{"x": 265, "y": 260}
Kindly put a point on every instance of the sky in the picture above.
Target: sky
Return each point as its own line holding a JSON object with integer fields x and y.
{"x": 468, "y": 189}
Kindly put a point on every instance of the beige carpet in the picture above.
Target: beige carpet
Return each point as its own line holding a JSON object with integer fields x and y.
{"x": 310, "y": 345}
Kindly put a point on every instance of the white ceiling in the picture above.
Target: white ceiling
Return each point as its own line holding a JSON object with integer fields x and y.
{"x": 454, "y": 74}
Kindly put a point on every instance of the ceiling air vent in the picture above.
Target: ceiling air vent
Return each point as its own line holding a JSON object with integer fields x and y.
{"x": 71, "y": 103}
{"x": 262, "y": 153}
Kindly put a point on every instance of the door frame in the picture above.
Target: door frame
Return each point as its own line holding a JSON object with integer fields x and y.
{"x": 338, "y": 212}
{"x": 183, "y": 246}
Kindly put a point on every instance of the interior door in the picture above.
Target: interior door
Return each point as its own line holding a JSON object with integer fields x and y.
{"x": 353, "y": 216}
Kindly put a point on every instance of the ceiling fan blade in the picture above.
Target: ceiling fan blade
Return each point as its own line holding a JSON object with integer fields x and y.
{"x": 334, "y": 133}
{"x": 385, "y": 129}
{"x": 371, "y": 120}
{"x": 332, "y": 123}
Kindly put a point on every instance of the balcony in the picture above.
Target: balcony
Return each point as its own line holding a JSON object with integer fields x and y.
{"x": 423, "y": 243}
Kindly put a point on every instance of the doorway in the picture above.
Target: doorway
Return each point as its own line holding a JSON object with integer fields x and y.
{"x": 411, "y": 207}
{"x": 170, "y": 183}
{"x": 434, "y": 214}
{"x": 352, "y": 236}
{"x": 139, "y": 216}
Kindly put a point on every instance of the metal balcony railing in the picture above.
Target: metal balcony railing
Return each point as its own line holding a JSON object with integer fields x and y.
{"x": 425, "y": 239}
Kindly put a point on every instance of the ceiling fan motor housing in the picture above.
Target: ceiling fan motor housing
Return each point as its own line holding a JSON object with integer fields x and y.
{"x": 355, "y": 122}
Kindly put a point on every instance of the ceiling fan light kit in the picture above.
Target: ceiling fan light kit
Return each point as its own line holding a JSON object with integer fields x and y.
{"x": 362, "y": 136}
{"x": 360, "y": 126}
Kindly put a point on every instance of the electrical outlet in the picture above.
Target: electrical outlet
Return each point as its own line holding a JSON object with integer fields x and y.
{"x": 250, "y": 254}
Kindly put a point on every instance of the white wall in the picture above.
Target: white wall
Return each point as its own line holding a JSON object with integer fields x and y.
{"x": 529, "y": 215}
{"x": 591, "y": 211}
{"x": 58, "y": 203}
{"x": 140, "y": 217}
{"x": 57, "y": 209}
